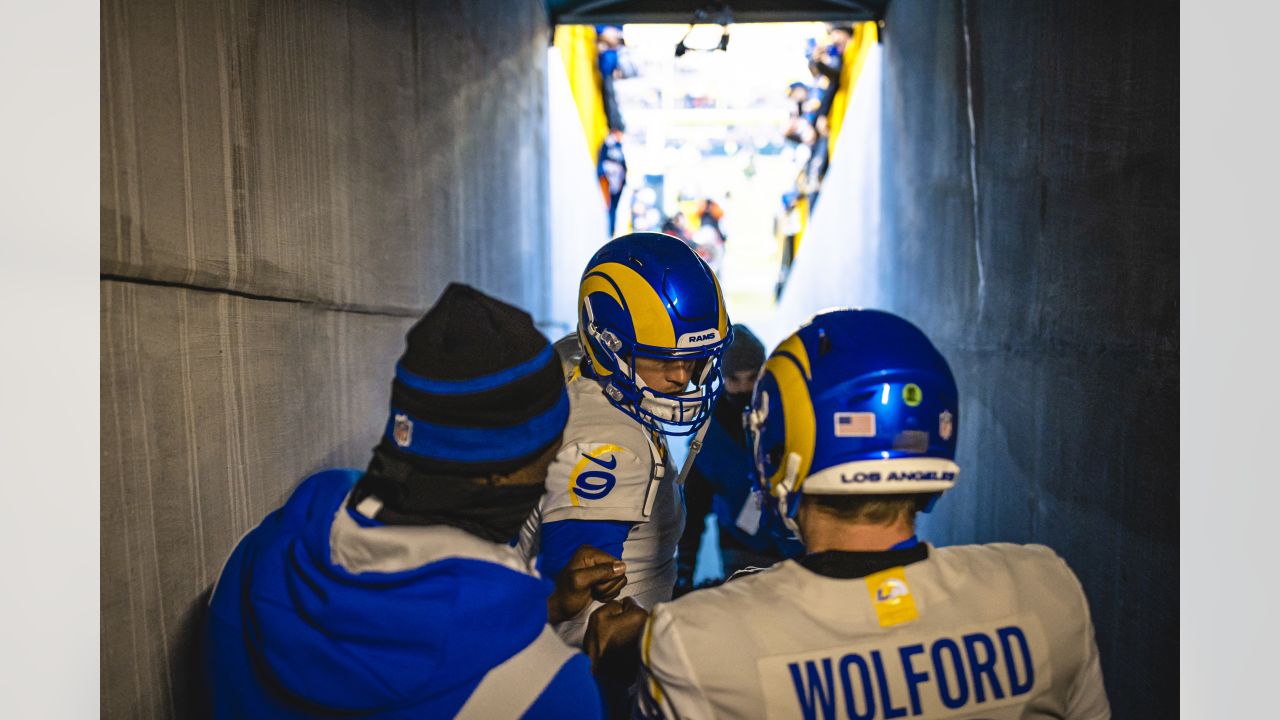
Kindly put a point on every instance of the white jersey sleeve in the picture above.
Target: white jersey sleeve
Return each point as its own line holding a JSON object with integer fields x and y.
{"x": 610, "y": 469}
{"x": 605, "y": 467}
{"x": 669, "y": 687}
{"x": 599, "y": 480}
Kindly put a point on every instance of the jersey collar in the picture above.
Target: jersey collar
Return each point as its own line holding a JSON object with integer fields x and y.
{"x": 847, "y": 565}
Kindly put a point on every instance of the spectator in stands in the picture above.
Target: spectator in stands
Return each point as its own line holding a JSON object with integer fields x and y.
{"x": 614, "y": 65}
{"x": 827, "y": 61}
{"x": 611, "y": 171}
{"x": 678, "y": 226}
{"x": 788, "y": 226}
{"x": 800, "y": 125}
{"x": 710, "y": 213}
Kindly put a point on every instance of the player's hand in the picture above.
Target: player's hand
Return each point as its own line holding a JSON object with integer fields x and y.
{"x": 604, "y": 589}
{"x": 592, "y": 574}
{"x": 612, "y": 640}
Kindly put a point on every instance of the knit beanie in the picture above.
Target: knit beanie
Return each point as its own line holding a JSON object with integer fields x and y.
{"x": 745, "y": 352}
{"x": 478, "y": 391}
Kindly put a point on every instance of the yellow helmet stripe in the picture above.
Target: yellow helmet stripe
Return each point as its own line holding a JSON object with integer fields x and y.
{"x": 794, "y": 347}
{"x": 800, "y": 429}
{"x": 648, "y": 312}
{"x": 593, "y": 283}
{"x": 723, "y": 323}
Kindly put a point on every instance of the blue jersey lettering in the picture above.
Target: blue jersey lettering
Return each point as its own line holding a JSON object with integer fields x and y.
{"x": 982, "y": 667}
{"x": 972, "y": 669}
{"x": 864, "y": 688}
{"x": 585, "y": 488}
{"x": 883, "y": 682}
{"x": 914, "y": 678}
{"x": 823, "y": 687}
{"x": 956, "y": 666}
{"x": 1019, "y": 683}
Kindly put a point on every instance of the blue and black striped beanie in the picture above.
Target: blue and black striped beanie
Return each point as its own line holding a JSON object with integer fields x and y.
{"x": 478, "y": 391}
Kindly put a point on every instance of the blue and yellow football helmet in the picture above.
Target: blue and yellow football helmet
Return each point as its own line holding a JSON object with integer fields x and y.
{"x": 855, "y": 401}
{"x": 650, "y": 295}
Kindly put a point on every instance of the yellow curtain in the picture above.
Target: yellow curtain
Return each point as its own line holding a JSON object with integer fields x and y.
{"x": 864, "y": 38}
{"x": 577, "y": 45}
{"x": 802, "y": 207}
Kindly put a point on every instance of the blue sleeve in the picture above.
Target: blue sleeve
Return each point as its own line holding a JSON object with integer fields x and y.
{"x": 562, "y": 537}
{"x": 572, "y": 693}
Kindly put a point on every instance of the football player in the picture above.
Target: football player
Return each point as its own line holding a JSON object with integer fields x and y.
{"x": 854, "y": 424}
{"x": 652, "y": 327}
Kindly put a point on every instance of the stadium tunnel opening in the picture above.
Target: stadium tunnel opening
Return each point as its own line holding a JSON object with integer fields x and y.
{"x": 724, "y": 135}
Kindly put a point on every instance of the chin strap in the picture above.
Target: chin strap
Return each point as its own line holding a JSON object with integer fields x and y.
{"x": 695, "y": 446}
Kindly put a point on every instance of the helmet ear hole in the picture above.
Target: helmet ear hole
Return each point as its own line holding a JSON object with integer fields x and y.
{"x": 824, "y": 342}
{"x": 774, "y": 455}
{"x": 862, "y": 396}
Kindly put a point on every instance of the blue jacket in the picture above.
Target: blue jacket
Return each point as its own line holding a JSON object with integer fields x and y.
{"x": 293, "y": 633}
{"x": 727, "y": 466}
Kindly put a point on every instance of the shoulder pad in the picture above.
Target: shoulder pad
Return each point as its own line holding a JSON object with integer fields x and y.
{"x": 599, "y": 481}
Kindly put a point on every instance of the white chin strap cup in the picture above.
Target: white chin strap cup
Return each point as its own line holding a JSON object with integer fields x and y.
{"x": 784, "y": 492}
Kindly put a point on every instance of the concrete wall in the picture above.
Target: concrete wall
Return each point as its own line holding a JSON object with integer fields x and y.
{"x": 578, "y": 226}
{"x": 842, "y": 238}
{"x": 286, "y": 186}
{"x": 1040, "y": 250}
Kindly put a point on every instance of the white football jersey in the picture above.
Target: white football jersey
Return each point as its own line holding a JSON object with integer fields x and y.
{"x": 609, "y": 467}
{"x": 980, "y": 631}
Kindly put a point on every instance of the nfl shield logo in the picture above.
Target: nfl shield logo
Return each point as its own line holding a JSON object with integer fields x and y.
{"x": 945, "y": 426}
{"x": 403, "y": 431}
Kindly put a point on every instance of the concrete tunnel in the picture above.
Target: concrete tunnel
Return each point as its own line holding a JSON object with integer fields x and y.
{"x": 287, "y": 186}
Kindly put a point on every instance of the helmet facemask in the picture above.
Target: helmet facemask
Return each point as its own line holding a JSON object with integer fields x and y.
{"x": 855, "y": 402}
{"x": 674, "y": 414}
{"x": 783, "y": 498}
{"x": 648, "y": 297}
